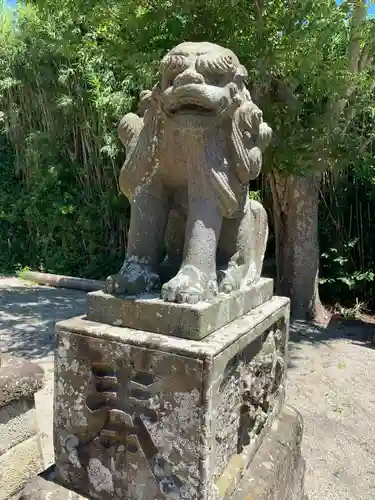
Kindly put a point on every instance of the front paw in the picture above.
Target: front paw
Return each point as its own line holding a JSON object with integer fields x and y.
{"x": 132, "y": 279}
{"x": 189, "y": 286}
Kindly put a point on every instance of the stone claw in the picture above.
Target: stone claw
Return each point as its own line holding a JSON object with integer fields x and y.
{"x": 110, "y": 284}
{"x": 189, "y": 286}
{"x": 132, "y": 279}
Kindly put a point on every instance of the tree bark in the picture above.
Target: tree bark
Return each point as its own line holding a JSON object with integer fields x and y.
{"x": 296, "y": 203}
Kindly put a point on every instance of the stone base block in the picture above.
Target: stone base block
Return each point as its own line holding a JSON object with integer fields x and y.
{"x": 278, "y": 468}
{"x": 150, "y": 313}
{"x": 145, "y": 416}
{"x": 43, "y": 489}
{"x": 20, "y": 452}
{"x": 17, "y": 423}
{"x": 19, "y": 379}
{"x": 19, "y": 464}
{"x": 275, "y": 473}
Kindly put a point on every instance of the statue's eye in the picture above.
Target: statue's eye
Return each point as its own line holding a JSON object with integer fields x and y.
{"x": 171, "y": 76}
{"x": 218, "y": 79}
{"x": 171, "y": 66}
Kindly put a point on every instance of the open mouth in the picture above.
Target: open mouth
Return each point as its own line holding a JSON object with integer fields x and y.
{"x": 188, "y": 108}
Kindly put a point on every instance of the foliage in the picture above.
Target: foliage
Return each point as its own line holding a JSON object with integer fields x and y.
{"x": 347, "y": 236}
{"x": 60, "y": 206}
{"x": 338, "y": 267}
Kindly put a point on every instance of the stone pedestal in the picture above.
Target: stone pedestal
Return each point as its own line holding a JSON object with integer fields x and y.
{"x": 20, "y": 451}
{"x": 141, "y": 415}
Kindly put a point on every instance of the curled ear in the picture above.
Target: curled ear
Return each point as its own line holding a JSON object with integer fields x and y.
{"x": 264, "y": 135}
{"x": 149, "y": 104}
{"x": 250, "y": 136}
{"x": 155, "y": 93}
{"x": 240, "y": 77}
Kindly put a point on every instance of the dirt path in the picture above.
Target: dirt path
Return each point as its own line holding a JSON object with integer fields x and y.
{"x": 331, "y": 382}
{"x": 28, "y": 314}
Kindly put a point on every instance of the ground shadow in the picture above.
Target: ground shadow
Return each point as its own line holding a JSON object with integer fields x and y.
{"x": 357, "y": 331}
{"x": 28, "y": 316}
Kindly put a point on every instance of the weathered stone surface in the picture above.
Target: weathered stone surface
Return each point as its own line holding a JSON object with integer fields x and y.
{"x": 41, "y": 489}
{"x": 277, "y": 470}
{"x": 17, "y": 423}
{"x": 144, "y": 416}
{"x": 152, "y": 314}
{"x": 19, "y": 464}
{"x": 248, "y": 326}
{"x": 189, "y": 161}
{"x": 19, "y": 379}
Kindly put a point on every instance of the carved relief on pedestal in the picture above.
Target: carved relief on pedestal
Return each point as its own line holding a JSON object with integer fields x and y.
{"x": 125, "y": 417}
{"x": 128, "y": 421}
{"x": 261, "y": 385}
{"x": 250, "y": 393}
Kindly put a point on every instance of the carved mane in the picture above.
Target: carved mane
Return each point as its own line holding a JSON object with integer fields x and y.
{"x": 248, "y": 139}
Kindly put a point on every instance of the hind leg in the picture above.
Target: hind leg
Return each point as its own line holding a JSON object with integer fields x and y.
{"x": 241, "y": 248}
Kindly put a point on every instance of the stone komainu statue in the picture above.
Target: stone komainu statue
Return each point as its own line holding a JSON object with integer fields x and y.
{"x": 190, "y": 156}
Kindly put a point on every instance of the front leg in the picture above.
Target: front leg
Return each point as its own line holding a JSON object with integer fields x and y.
{"x": 139, "y": 273}
{"x": 174, "y": 243}
{"x": 196, "y": 279}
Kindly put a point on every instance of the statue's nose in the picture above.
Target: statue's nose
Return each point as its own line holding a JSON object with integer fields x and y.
{"x": 188, "y": 76}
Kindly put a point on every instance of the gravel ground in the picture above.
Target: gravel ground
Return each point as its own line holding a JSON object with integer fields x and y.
{"x": 28, "y": 314}
{"x": 331, "y": 382}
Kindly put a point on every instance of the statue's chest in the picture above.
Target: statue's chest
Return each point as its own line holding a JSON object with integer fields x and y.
{"x": 179, "y": 157}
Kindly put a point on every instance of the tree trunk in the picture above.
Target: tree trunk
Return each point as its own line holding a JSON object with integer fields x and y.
{"x": 295, "y": 203}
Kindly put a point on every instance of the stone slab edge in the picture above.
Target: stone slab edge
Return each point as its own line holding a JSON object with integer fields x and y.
{"x": 19, "y": 379}
{"x": 250, "y": 325}
{"x": 39, "y": 488}
{"x": 18, "y": 465}
{"x": 191, "y": 321}
{"x": 17, "y": 423}
{"x": 278, "y": 468}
